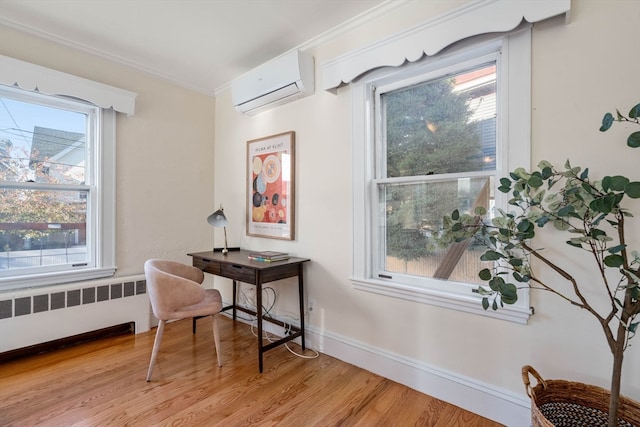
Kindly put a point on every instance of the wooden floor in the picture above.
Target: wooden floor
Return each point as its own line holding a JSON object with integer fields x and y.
{"x": 103, "y": 383}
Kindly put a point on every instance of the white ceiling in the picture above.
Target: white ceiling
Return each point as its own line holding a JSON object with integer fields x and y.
{"x": 198, "y": 44}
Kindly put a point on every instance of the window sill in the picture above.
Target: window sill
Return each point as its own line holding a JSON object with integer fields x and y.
{"x": 468, "y": 304}
{"x": 37, "y": 280}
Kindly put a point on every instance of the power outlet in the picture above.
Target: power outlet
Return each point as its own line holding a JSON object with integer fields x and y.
{"x": 311, "y": 304}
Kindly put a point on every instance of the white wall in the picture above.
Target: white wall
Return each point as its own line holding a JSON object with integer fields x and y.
{"x": 581, "y": 69}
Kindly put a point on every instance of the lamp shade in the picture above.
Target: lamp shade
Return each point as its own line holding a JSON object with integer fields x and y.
{"x": 217, "y": 219}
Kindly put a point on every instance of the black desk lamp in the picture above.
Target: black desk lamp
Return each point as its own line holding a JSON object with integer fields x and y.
{"x": 218, "y": 219}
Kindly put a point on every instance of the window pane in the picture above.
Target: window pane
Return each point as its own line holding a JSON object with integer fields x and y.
{"x": 42, "y": 228}
{"x": 413, "y": 212}
{"x": 41, "y": 144}
{"x": 442, "y": 126}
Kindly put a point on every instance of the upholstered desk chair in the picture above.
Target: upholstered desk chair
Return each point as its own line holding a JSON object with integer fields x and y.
{"x": 175, "y": 292}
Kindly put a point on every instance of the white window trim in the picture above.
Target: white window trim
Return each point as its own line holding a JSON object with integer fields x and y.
{"x": 15, "y": 73}
{"x": 514, "y": 70}
{"x": 430, "y": 37}
{"x": 31, "y": 77}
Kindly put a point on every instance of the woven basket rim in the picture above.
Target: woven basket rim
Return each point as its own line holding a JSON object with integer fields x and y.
{"x": 587, "y": 395}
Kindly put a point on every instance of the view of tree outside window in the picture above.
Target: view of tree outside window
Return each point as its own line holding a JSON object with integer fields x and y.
{"x": 438, "y": 154}
{"x": 43, "y": 182}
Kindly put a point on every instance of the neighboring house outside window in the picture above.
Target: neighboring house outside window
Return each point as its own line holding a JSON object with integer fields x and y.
{"x": 436, "y": 136}
{"x": 57, "y": 177}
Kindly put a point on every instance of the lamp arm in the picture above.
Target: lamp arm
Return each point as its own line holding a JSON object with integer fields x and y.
{"x": 225, "y": 250}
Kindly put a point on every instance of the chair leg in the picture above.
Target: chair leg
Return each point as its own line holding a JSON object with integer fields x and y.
{"x": 156, "y": 347}
{"x": 216, "y": 338}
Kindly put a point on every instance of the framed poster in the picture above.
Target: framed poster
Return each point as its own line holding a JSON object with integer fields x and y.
{"x": 271, "y": 186}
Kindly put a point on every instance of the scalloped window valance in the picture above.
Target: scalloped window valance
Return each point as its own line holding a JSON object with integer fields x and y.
{"x": 429, "y": 38}
{"x": 32, "y": 77}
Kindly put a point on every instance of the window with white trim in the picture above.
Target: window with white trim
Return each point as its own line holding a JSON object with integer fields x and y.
{"x": 431, "y": 137}
{"x": 51, "y": 153}
{"x": 57, "y": 175}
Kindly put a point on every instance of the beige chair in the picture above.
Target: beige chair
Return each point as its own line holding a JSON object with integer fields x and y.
{"x": 175, "y": 292}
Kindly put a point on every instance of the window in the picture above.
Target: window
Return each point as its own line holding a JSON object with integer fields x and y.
{"x": 52, "y": 151}
{"x": 57, "y": 175}
{"x": 429, "y": 138}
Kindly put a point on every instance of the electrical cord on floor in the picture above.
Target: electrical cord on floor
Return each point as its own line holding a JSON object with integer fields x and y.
{"x": 266, "y": 311}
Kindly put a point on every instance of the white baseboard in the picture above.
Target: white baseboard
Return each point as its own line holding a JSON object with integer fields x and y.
{"x": 504, "y": 407}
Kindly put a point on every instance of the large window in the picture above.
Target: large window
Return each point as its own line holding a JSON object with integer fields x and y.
{"x": 57, "y": 175}
{"x": 436, "y": 153}
{"x": 430, "y": 138}
{"x": 50, "y": 150}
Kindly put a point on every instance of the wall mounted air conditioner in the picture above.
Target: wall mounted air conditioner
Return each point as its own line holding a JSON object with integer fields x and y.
{"x": 282, "y": 80}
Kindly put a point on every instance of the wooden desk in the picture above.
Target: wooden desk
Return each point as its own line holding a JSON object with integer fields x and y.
{"x": 238, "y": 267}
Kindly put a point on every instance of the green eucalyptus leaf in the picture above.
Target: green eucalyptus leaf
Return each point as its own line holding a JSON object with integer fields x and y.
{"x": 633, "y": 327}
{"x": 587, "y": 188}
{"x": 585, "y": 174}
{"x": 542, "y": 164}
{"x": 520, "y": 278}
{"x": 482, "y": 291}
{"x": 485, "y": 274}
{"x": 509, "y": 293}
{"x": 634, "y": 113}
{"x": 632, "y": 190}
{"x": 615, "y": 183}
{"x": 633, "y": 140}
{"x": 455, "y": 215}
{"x": 535, "y": 181}
{"x": 494, "y": 306}
{"x": 524, "y": 226}
{"x": 542, "y": 221}
{"x": 480, "y": 211}
{"x": 574, "y": 243}
{"x": 547, "y": 172}
{"x": 614, "y": 261}
{"x": 601, "y": 204}
{"x": 516, "y": 262}
{"x": 607, "y": 121}
{"x": 491, "y": 256}
{"x": 485, "y": 303}
{"x": 565, "y": 211}
{"x": 495, "y": 283}
{"x": 617, "y": 249}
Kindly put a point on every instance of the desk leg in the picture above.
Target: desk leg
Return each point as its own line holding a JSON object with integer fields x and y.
{"x": 235, "y": 292}
{"x": 301, "y": 295}
{"x": 259, "y": 321}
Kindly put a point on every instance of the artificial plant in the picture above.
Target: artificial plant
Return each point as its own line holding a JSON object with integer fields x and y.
{"x": 592, "y": 215}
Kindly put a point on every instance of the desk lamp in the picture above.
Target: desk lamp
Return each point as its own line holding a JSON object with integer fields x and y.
{"x": 218, "y": 219}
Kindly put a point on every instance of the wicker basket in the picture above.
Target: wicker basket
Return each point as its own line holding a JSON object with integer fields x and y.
{"x": 559, "y": 403}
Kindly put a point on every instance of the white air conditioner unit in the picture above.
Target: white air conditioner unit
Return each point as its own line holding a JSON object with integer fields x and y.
{"x": 282, "y": 80}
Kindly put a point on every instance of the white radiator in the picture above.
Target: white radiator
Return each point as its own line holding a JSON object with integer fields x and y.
{"x": 38, "y": 315}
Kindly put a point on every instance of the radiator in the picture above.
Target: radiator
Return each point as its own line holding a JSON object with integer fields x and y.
{"x": 38, "y": 315}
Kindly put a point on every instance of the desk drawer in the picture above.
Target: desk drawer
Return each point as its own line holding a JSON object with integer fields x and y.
{"x": 206, "y": 265}
{"x": 238, "y": 272}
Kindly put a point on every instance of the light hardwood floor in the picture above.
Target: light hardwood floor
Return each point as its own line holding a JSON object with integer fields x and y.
{"x": 103, "y": 383}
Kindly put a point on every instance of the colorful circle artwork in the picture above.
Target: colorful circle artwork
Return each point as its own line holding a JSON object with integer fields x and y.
{"x": 269, "y": 189}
